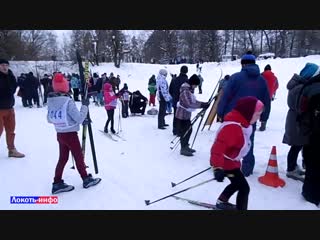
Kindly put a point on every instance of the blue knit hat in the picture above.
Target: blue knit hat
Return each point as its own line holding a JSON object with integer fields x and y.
{"x": 248, "y": 58}
{"x": 310, "y": 70}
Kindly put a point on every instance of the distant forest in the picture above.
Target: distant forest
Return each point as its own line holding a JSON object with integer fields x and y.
{"x": 160, "y": 46}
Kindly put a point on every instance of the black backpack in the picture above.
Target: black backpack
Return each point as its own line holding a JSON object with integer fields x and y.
{"x": 308, "y": 108}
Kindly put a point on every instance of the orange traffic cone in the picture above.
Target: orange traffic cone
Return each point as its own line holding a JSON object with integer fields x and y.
{"x": 271, "y": 178}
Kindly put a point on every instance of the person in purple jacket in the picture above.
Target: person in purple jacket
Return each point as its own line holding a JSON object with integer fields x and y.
{"x": 185, "y": 106}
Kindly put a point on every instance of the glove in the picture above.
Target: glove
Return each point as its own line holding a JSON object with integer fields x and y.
{"x": 218, "y": 174}
{"x": 86, "y": 121}
{"x": 205, "y": 105}
{"x": 219, "y": 119}
{"x": 85, "y": 101}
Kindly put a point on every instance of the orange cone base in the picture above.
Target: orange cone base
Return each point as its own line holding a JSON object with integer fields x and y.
{"x": 272, "y": 180}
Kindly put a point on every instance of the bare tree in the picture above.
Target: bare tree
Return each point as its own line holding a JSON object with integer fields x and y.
{"x": 226, "y": 40}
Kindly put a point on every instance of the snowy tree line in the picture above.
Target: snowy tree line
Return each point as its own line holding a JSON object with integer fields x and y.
{"x": 160, "y": 46}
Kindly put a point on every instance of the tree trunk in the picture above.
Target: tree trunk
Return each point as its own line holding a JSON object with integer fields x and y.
{"x": 268, "y": 40}
{"x": 251, "y": 42}
{"x": 261, "y": 41}
{"x": 232, "y": 48}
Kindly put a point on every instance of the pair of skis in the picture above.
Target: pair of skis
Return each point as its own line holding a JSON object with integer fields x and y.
{"x": 111, "y": 136}
{"x": 198, "y": 203}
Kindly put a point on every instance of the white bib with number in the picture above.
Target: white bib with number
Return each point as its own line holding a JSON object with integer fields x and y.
{"x": 59, "y": 117}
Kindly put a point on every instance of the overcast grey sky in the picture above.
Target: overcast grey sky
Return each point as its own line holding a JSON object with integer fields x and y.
{"x": 61, "y": 33}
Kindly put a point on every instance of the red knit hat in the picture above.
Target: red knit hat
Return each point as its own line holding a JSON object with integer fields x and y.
{"x": 247, "y": 106}
{"x": 59, "y": 83}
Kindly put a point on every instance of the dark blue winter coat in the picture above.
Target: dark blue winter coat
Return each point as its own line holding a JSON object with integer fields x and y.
{"x": 247, "y": 82}
{"x": 174, "y": 88}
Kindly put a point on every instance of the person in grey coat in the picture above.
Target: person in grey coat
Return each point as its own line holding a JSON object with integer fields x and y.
{"x": 292, "y": 136}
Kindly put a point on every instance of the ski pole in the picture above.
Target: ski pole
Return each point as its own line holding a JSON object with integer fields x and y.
{"x": 210, "y": 101}
{"x": 175, "y": 184}
{"x": 185, "y": 134}
{"x": 147, "y": 202}
{"x": 72, "y": 162}
{"x": 192, "y": 121}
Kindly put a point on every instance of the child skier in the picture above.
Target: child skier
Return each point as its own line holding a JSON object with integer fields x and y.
{"x": 110, "y": 104}
{"x": 185, "y": 106}
{"x": 125, "y": 101}
{"x": 63, "y": 113}
{"x": 232, "y": 143}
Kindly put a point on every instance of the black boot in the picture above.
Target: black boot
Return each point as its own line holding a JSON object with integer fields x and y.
{"x": 185, "y": 152}
{"x": 263, "y": 126}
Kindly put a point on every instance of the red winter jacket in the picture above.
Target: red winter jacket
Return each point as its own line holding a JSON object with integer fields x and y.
{"x": 229, "y": 142}
{"x": 272, "y": 82}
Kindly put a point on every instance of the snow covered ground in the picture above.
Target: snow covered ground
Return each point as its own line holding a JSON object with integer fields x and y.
{"x": 142, "y": 167}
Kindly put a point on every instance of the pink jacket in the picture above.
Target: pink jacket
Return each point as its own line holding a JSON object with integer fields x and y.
{"x": 110, "y": 99}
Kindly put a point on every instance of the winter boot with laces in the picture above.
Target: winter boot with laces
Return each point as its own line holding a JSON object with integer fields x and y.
{"x": 89, "y": 181}
{"x": 14, "y": 153}
{"x": 60, "y": 187}
{"x": 225, "y": 205}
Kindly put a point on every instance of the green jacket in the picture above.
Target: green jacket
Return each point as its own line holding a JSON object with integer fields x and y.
{"x": 152, "y": 88}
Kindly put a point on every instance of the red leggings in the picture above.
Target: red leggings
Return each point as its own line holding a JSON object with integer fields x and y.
{"x": 69, "y": 142}
{"x": 152, "y": 99}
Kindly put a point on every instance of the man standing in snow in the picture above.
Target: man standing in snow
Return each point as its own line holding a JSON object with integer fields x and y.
{"x": 247, "y": 82}
{"x": 174, "y": 91}
{"x": 8, "y": 86}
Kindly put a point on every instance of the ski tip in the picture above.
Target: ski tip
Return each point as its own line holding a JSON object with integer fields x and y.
{"x": 173, "y": 184}
{"x": 147, "y": 202}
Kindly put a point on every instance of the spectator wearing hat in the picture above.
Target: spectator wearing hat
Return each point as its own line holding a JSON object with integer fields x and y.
{"x": 152, "y": 88}
{"x": 247, "y": 82}
{"x": 8, "y": 86}
{"x": 163, "y": 97}
{"x": 231, "y": 144}
{"x": 185, "y": 106}
{"x": 47, "y": 87}
{"x": 273, "y": 85}
{"x": 223, "y": 82}
{"x": 66, "y": 118}
{"x": 302, "y": 130}
{"x": 174, "y": 91}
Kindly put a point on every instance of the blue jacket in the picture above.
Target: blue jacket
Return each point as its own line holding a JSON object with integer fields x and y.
{"x": 247, "y": 82}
